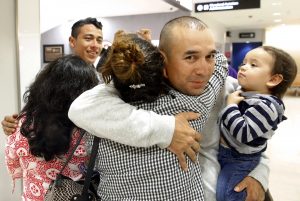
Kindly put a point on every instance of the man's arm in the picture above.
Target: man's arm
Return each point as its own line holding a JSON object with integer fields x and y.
{"x": 101, "y": 112}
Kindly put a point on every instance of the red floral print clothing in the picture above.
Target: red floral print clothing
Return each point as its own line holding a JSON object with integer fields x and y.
{"x": 37, "y": 173}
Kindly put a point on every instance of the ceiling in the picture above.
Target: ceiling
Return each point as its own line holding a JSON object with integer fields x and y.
{"x": 53, "y": 15}
{"x": 284, "y": 11}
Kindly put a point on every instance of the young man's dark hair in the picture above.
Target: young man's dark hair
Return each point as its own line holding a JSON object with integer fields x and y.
{"x": 80, "y": 23}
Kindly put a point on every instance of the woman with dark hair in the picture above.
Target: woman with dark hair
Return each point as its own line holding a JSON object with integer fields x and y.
{"x": 37, "y": 149}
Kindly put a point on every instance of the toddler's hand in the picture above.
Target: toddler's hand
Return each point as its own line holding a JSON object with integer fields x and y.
{"x": 235, "y": 98}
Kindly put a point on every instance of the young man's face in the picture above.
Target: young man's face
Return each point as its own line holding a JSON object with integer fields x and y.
{"x": 190, "y": 62}
{"x": 88, "y": 43}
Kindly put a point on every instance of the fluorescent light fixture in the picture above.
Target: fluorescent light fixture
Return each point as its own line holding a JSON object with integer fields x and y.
{"x": 278, "y": 20}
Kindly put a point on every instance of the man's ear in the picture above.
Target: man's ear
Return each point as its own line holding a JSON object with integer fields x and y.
{"x": 72, "y": 41}
{"x": 274, "y": 80}
{"x": 165, "y": 72}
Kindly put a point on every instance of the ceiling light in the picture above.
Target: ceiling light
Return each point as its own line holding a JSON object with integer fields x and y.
{"x": 276, "y": 14}
{"x": 277, "y": 20}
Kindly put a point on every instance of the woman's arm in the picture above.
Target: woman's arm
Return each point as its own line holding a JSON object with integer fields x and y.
{"x": 12, "y": 160}
{"x": 101, "y": 112}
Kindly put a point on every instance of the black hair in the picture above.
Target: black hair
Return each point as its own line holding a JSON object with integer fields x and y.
{"x": 167, "y": 33}
{"x": 103, "y": 57}
{"x": 285, "y": 65}
{"x": 46, "y": 124}
{"x": 77, "y": 25}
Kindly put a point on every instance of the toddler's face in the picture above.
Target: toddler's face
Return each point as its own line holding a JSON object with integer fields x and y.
{"x": 256, "y": 71}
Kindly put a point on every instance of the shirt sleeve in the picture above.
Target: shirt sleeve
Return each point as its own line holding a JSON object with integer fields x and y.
{"x": 206, "y": 101}
{"x": 220, "y": 73}
{"x": 257, "y": 120}
{"x": 102, "y": 113}
{"x": 12, "y": 158}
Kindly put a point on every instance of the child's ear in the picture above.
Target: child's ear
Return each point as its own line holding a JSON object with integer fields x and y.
{"x": 275, "y": 80}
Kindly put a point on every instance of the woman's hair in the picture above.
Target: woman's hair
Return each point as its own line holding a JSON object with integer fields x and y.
{"x": 136, "y": 68}
{"x": 104, "y": 53}
{"x": 285, "y": 65}
{"x": 46, "y": 124}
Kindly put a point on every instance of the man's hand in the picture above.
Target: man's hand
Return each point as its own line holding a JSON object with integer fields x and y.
{"x": 145, "y": 34}
{"x": 9, "y": 124}
{"x": 255, "y": 191}
{"x": 185, "y": 138}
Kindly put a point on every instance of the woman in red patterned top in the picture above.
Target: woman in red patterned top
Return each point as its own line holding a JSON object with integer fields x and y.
{"x": 37, "y": 149}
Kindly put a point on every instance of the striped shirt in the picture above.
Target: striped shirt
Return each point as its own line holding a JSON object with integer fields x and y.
{"x": 247, "y": 127}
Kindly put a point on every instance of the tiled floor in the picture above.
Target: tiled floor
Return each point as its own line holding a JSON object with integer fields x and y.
{"x": 284, "y": 153}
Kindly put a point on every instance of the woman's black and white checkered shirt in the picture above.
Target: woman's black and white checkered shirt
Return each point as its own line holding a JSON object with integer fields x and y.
{"x": 131, "y": 173}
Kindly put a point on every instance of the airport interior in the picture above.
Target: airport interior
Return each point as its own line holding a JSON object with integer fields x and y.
{"x": 30, "y": 27}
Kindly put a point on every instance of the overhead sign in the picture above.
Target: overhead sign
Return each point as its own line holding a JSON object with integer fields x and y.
{"x": 247, "y": 35}
{"x": 226, "y": 5}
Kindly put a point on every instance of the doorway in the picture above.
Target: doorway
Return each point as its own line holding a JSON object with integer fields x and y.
{"x": 239, "y": 50}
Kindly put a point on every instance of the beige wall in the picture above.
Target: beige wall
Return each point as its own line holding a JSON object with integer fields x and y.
{"x": 24, "y": 49}
{"x": 218, "y": 30}
{"x": 8, "y": 88}
{"x": 287, "y": 38}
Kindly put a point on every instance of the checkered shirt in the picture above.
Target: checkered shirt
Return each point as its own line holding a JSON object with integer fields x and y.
{"x": 131, "y": 173}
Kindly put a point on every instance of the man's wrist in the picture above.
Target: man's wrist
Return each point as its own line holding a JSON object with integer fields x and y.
{"x": 261, "y": 180}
